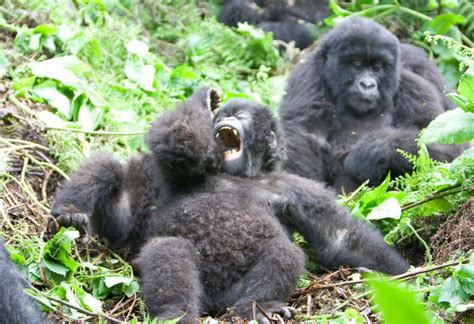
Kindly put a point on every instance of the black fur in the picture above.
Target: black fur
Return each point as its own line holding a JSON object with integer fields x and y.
{"x": 416, "y": 60}
{"x": 204, "y": 240}
{"x": 356, "y": 99}
{"x": 278, "y": 18}
{"x": 15, "y": 305}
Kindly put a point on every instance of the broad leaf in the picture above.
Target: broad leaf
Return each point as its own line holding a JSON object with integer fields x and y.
{"x": 63, "y": 69}
{"x": 452, "y": 127}
{"x": 389, "y": 208}
{"x": 397, "y": 305}
{"x": 441, "y": 24}
{"x": 49, "y": 92}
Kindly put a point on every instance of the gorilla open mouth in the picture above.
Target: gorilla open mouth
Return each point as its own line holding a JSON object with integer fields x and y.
{"x": 229, "y": 138}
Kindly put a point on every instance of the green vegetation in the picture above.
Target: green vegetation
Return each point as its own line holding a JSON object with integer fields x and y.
{"x": 82, "y": 75}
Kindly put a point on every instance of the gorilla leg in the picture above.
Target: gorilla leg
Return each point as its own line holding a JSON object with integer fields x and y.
{"x": 94, "y": 198}
{"x": 15, "y": 305}
{"x": 270, "y": 282}
{"x": 170, "y": 278}
{"x": 334, "y": 235}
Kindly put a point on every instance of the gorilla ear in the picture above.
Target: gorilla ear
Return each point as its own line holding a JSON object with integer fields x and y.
{"x": 209, "y": 97}
{"x": 273, "y": 140}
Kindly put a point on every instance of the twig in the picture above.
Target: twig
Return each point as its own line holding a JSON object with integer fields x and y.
{"x": 105, "y": 133}
{"x": 436, "y": 195}
{"x": 27, "y": 110}
{"x": 263, "y": 311}
{"x": 403, "y": 276}
{"x": 80, "y": 309}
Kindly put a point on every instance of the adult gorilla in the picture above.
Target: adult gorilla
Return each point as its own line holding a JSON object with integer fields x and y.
{"x": 352, "y": 103}
{"x": 278, "y": 18}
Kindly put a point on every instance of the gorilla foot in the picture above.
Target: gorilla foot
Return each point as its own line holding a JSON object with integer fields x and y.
{"x": 276, "y": 311}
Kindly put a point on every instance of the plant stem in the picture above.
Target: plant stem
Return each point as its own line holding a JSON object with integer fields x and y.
{"x": 402, "y": 276}
{"x": 436, "y": 195}
{"x": 423, "y": 242}
{"x": 80, "y": 309}
{"x": 105, "y": 133}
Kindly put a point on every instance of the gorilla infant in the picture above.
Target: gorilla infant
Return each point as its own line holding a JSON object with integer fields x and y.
{"x": 352, "y": 103}
{"x": 202, "y": 213}
{"x": 15, "y": 305}
{"x": 278, "y": 18}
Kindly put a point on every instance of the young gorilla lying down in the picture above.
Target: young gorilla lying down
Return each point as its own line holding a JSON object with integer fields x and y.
{"x": 200, "y": 214}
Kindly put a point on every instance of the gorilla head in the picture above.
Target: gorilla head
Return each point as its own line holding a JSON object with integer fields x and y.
{"x": 247, "y": 134}
{"x": 361, "y": 59}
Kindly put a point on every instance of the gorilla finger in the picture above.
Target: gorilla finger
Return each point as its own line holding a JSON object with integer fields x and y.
{"x": 86, "y": 238}
{"x": 53, "y": 225}
{"x": 287, "y": 312}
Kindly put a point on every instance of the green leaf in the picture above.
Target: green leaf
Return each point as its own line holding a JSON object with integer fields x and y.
{"x": 452, "y": 127}
{"x": 466, "y": 85}
{"x": 461, "y": 102}
{"x": 183, "y": 72}
{"x": 442, "y": 23}
{"x": 55, "y": 267}
{"x": 46, "y": 30}
{"x": 389, "y": 208}
{"x": 338, "y": 10}
{"x": 397, "y": 305}
{"x": 137, "y": 47}
{"x": 116, "y": 280}
{"x": 64, "y": 69}
{"x": 91, "y": 303}
{"x": 452, "y": 293}
{"x": 131, "y": 289}
{"x": 4, "y": 64}
{"x": 49, "y": 92}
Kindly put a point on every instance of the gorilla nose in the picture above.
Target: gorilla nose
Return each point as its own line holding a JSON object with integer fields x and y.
{"x": 367, "y": 84}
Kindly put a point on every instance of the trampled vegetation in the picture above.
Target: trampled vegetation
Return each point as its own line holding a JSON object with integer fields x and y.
{"x": 79, "y": 76}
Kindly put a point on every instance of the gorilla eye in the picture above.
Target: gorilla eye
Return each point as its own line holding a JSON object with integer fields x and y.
{"x": 377, "y": 66}
{"x": 240, "y": 114}
{"x": 357, "y": 63}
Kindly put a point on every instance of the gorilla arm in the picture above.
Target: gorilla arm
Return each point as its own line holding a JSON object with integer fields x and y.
{"x": 181, "y": 140}
{"x": 93, "y": 200}
{"x": 334, "y": 235}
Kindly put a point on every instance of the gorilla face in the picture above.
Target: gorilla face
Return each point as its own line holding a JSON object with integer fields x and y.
{"x": 244, "y": 132}
{"x": 361, "y": 68}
